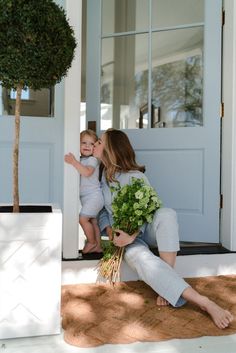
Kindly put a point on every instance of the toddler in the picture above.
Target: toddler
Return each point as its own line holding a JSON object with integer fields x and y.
{"x": 91, "y": 196}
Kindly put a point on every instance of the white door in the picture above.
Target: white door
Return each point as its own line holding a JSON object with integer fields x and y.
{"x": 154, "y": 70}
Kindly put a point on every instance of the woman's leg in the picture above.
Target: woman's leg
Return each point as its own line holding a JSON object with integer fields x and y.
{"x": 168, "y": 284}
{"x": 170, "y": 259}
{"x": 220, "y": 316}
{"x": 163, "y": 233}
{"x": 155, "y": 272}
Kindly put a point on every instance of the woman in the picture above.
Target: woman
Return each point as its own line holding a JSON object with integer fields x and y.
{"x": 118, "y": 159}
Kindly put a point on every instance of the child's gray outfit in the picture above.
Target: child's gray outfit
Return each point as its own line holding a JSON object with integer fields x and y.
{"x": 162, "y": 232}
{"x": 91, "y": 196}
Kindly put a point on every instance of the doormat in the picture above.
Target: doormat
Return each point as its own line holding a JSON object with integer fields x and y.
{"x": 97, "y": 314}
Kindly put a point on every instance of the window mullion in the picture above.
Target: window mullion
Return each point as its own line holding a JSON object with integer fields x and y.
{"x": 150, "y": 64}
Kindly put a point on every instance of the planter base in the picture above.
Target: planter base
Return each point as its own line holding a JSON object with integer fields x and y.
{"x": 30, "y": 273}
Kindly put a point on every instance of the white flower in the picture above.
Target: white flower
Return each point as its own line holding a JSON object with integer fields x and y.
{"x": 139, "y": 195}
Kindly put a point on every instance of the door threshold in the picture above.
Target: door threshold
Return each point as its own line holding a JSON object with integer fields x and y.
{"x": 189, "y": 248}
{"x": 186, "y": 248}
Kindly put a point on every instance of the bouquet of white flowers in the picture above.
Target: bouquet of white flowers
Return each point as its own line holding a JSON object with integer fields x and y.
{"x": 133, "y": 205}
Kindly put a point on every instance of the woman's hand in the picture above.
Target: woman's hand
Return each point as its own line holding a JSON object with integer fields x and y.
{"x": 121, "y": 238}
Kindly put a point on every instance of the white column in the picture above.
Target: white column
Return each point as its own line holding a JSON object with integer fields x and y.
{"x": 228, "y": 215}
{"x": 71, "y": 136}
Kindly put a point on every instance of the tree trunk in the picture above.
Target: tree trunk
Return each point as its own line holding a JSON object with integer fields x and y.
{"x": 16, "y": 207}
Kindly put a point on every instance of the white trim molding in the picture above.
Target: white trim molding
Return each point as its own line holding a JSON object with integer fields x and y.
{"x": 71, "y": 136}
{"x": 228, "y": 177}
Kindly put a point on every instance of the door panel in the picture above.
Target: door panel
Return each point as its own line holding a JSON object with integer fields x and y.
{"x": 174, "y": 162}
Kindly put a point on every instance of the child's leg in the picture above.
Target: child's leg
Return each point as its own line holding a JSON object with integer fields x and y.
{"x": 89, "y": 233}
{"x": 97, "y": 235}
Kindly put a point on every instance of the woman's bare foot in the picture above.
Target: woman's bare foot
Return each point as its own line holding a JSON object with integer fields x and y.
{"x": 89, "y": 247}
{"x": 161, "y": 301}
{"x": 221, "y": 317}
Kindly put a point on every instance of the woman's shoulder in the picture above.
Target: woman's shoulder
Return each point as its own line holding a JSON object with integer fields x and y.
{"x": 126, "y": 177}
{"x": 136, "y": 173}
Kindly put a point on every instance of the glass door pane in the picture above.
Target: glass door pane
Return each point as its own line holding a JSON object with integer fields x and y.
{"x": 124, "y": 16}
{"x": 168, "y": 13}
{"x": 124, "y": 84}
{"x": 177, "y": 78}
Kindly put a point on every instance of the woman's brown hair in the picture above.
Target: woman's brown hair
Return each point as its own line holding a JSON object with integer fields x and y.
{"x": 118, "y": 154}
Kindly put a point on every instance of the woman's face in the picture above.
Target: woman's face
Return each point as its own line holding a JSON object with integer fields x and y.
{"x": 99, "y": 147}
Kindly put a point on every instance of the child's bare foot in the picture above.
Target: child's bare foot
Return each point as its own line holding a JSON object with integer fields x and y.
{"x": 89, "y": 247}
{"x": 98, "y": 249}
{"x": 221, "y": 317}
{"x": 161, "y": 301}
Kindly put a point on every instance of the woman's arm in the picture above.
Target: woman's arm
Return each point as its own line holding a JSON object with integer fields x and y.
{"x": 83, "y": 170}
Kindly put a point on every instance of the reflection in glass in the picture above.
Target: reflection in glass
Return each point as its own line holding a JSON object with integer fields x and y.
{"x": 176, "y": 70}
{"x": 124, "y": 84}
{"x": 166, "y": 13}
{"x": 124, "y": 15}
{"x": 34, "y": 103}
{"x": 177, "y": 78}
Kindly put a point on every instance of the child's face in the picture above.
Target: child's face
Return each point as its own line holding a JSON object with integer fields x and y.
{"x": 86, "y": 145}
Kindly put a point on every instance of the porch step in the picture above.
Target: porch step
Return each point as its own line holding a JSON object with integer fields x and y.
{"x": 187, "y": 266}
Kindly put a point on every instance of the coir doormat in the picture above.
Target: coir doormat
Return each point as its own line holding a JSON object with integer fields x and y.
{"x": 97, "y": 314}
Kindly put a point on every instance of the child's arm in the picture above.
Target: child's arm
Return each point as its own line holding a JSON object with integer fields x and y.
{"x": 83, "y": 170}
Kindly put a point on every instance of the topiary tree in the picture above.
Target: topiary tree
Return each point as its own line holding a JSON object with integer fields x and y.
{"x": 36, "y": 50}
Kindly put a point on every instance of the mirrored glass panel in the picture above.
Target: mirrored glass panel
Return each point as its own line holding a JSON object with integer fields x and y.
{"x": 177, "y": 78}
{"x": 34, "y": 103}
{"x": 124, "y": 15}
{"x": 124, "y": 84}
{"x": 166, "y": 13}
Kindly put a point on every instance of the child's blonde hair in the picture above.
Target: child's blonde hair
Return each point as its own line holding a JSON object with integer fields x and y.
{"x": 90, "y": 133}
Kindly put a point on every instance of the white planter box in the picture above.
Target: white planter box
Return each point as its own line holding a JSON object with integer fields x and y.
{"x": 30, "y": 273}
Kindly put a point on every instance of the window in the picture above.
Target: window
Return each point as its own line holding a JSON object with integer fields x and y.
{"x": 156, "y": 63}
{"x": 25, "y": 95}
